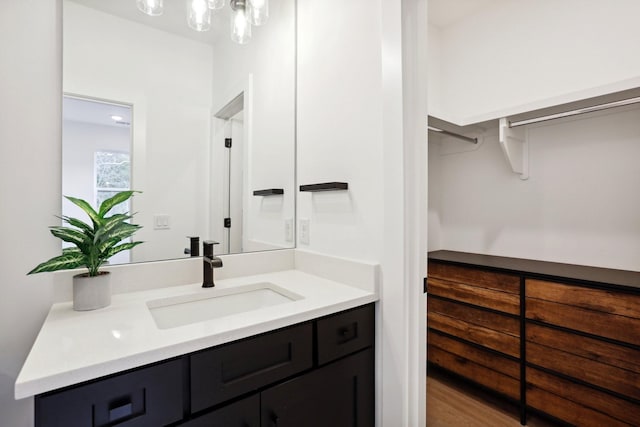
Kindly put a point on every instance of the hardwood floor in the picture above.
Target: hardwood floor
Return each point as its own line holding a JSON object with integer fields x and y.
{"x": 453, "y": 404}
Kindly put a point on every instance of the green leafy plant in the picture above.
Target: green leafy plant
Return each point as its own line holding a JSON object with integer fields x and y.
{"x": 94, "y": 243}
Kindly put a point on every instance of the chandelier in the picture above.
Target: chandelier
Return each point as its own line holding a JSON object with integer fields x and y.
{"x": 245, "y": 13}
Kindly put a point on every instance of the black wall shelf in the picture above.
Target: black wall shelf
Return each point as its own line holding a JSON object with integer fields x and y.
{"x": 326, "y": 186}
{"x": 268, "y": 192}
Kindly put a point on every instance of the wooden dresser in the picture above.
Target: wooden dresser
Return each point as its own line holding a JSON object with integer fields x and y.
{"x": 561, "y": 340}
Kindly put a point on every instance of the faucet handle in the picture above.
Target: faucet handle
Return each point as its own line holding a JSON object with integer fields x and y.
{"x": 207, "y": 247}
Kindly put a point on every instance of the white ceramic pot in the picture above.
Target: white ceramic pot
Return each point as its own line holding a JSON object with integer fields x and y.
{"x": 90, "y": 293}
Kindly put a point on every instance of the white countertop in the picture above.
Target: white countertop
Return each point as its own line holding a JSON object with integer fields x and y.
{"x": 73, "y": 347}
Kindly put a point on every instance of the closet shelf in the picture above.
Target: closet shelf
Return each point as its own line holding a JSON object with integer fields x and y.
{"x": 325, "y": 186}
{"x": 268, "y": 192}
{"x": 512, "y": 135}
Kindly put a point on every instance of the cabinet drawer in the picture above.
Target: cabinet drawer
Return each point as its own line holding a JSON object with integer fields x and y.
{"x": 596, "y": 362}
{"x": 577, "y": 404}
{"x": 487, "y": 377}
{"x": 474, "y": 354}
{"x": 475, "y": 277}
{"x": 610, "y": 314}
{"x": 482, "y": 332}
{"x": 146, "y": 397}
{"x": 482, "y": 297}
{"x": 243, "y": 413}
{"x": 230, "y": 370}
{"x": 345, "y": 333}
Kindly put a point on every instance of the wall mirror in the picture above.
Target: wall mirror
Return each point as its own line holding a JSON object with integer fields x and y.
{"x": 203, "y": 126}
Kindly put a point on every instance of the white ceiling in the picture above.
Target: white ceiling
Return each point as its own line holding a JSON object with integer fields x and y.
{"x": 442, "y": 13}
{"x": 173, "y": 20}
{"x": 94, "y": 112}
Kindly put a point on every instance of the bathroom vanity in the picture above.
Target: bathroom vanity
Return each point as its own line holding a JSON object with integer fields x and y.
{"x": 557, "y": 339}
{"x": 308, "y": 360}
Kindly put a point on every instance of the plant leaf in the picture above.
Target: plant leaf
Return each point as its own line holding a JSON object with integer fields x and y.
{"x": 66, "y": 261}
{"x": 124, "y": 231}
{"x": 85, "y": 206}
{"x": 123, "y": 247}
{"x": 118, "y": 198}
{"x": 86, "y": 228}
{"x": 71, "y": 235}
{"x": 109, "y": 225}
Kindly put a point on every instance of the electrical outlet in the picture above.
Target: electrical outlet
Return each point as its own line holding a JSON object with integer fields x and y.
{"x": 288, "y": 230}
{"x": 161, "y": 222}
{"x": 304, "y": 231}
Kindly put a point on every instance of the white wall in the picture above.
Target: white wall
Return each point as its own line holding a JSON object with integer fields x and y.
{"x": 30, "y": 126}
{"x": 362, "y": 120}
{"x": 581, "y": 204}
{"x": 519, "y": 52}
{"x": 340, "y": 126}
{"x": 265, "y": 69}
{"x": 167, "y": 78}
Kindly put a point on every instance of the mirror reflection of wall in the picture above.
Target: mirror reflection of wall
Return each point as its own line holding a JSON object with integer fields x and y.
{"x": 175, "y": 84}
{"x": 96, "y": 150}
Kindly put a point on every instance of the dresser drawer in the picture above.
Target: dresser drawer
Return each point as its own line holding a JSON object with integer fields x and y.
{"x": 149, "y": 396}
{"x": 577, "y": 404}
{"x": 488, "y": 329}
{"x": 474, "y": 371}
{"x": 593, "y": 361}
{"x": 506, "y": 302}
{"x": 233, "y": 369}
{"x": 609, "y": 314}
{"x": 475, "y": 277}
{"x": 474, "y": 354}
{"x": 345, "y": 333}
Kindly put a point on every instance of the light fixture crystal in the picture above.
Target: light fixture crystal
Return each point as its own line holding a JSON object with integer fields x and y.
{"x": 199, "y": 15}
{"x": 216, "y": 4}
{"x": 259, "y": 11}
{"x": 150, "y": 7}
{"x": 240, "y": 24}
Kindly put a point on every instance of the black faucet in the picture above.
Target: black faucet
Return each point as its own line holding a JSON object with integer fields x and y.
{"x": 209, "y": 262}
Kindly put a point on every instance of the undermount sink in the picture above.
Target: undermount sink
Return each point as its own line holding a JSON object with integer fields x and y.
{"x": 186, "y": 309}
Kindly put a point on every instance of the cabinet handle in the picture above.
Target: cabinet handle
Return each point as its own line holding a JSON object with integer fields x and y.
{"x": 122, "y": 410}
{"x": 274, "y": 419}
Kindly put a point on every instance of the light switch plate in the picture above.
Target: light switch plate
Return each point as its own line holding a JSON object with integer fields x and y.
{"x": 161, "y": 222}
{"x": 304, "y": 231}
{"x": 288, "y": 230}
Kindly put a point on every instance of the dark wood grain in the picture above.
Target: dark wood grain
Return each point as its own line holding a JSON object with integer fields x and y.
{"x": 482, "y": 357}
{"x": 569, "y": 411}
{"x": 483, "y": 297}
{"x": 504, "y": 343}
{"x": 622, "y": 410}
{"x": 590, "y": 348}
{"x": 606, "y": 301}
{"x": 488, "y": 319}
{"x": 599, "y": 374}
{"x": 475, "y": 277}
{"x": 487, "y": 377}
{"x": 621, "y": 328}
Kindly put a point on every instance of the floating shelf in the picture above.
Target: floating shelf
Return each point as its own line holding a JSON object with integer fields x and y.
{"x": 326, "y": 186}
{"x": 268, "y": 192}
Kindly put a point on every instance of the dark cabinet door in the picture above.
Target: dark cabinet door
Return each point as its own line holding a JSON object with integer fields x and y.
{"x": 243, "y": 413}
{"x": 340, "y": 394}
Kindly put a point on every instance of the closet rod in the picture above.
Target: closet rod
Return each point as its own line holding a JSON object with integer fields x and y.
{"x": 591, "y": 109}
{"x": 455, "y": 135}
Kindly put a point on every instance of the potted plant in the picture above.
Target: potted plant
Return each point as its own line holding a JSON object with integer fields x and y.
{"x": 94, "y": 245}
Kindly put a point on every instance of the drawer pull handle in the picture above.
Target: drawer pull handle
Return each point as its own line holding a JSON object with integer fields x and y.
{"x": 347, "y": 333}
{"x": 123, "y": 410}
{"x": 274, "y": 419}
